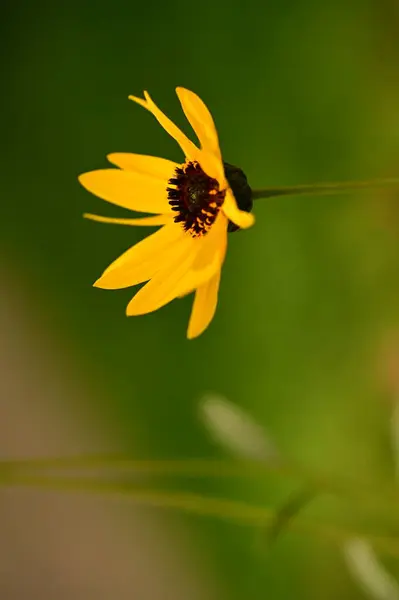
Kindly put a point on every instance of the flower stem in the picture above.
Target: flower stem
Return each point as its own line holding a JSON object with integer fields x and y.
{"x": 323, "y": 189}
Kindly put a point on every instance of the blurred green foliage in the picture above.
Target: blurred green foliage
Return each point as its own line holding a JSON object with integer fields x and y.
{"x": 301, "y": 92}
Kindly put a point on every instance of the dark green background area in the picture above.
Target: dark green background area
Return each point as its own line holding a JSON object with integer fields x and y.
{"x": 301, "y": 92}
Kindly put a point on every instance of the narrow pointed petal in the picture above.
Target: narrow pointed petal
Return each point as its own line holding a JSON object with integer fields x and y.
{"x": 200, "y": 120}
{"x": 209, "y": 258}
{"x": 147, "y": 221}
{"x": 134, "y": 191}
{"x": 239, "y": 217}
{"x": 165, "y": 286}
{"x": 204, "y": 306}
{"x": 132, "y": 273}
{"x": 151, "y": 245}
{"x": 185, "y": 144}
{"x": 159, "y": 168}
{"x": 213, "y": 247}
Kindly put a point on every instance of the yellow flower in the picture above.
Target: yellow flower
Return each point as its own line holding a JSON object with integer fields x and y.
{"x": 194, "y": 203}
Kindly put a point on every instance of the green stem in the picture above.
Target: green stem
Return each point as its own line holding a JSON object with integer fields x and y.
{"x": 381, "y": 496}
{"x": 230, "y": 510}
{"x": 323, "y": 189}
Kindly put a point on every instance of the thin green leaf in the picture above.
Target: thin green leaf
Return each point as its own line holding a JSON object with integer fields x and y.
{"x": 378, "y": 494}
{"x": 234, "y": 511}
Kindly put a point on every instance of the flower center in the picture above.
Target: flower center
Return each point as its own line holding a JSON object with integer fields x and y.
{"x": 195, "y": 197}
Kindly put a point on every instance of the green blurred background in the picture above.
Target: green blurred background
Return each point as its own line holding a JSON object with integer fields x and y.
{"x": 306, "y": 336}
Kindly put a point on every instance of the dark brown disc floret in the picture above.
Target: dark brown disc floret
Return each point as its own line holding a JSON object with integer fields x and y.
{"x": 195, "y": 197}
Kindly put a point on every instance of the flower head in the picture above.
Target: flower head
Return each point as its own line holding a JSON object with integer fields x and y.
{"x": 192, "y": 201}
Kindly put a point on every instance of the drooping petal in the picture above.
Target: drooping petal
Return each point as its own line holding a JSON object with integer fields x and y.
{"x": 132, "y": 273}
{"x": 134, "y": 191}
{"x": 159, "y": 168}
{"x": 204, "y": 306}
{"x": 147, "y": 221}
{"x": 185, "y": 144}
{"x": 151, "y": 245}
{"x": 239, "y": 217}
{"x": 165, "y": 286}
{"x": 213, "y": 247}
{"x": 209, "y": 258}
{"x": 200, "y": 120}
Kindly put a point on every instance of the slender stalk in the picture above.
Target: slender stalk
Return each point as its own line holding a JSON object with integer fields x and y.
{"x": 290, "y": 510}
{"x": 323, "y": 189}
{"x": 230, "y": 510}
{"x": 382, "y": 495}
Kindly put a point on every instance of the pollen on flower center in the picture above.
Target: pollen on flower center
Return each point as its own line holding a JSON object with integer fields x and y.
{"x": 195, "y": 197}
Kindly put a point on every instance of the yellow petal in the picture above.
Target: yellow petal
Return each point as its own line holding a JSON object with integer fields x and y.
{"x": 151, "y": 245}
{"x": 186, "y": 293}
{"x": 204, "y": 306}
{"x": 209, "y": 257}
{"x": 132, "y": 273}
{"x": 159, "y": 168}
{"x": 239, "y": 217}
{"x": 200, "y": 120}
{"x": 134, "y": 191}
{"x": 213, "y": 246}
{"x": 165, "y": 286}
{"x": 212, "y": 166}
{"x": 185, "y": 144}
{"x": 156, "y": 220}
